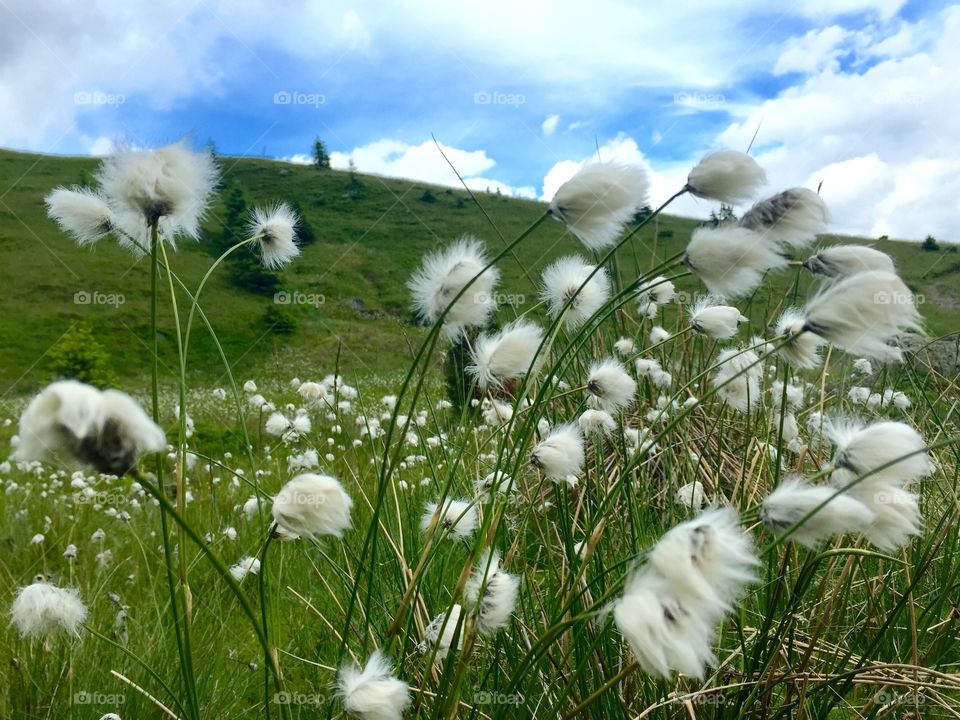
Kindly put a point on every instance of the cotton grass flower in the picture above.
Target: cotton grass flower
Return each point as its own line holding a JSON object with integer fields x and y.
{"x": 624, "y": 346}
{"x": 373, "y": 693}
{"x": 790, "y": 219}
{"x": 843, "y": 260}
{"x": 492, "y": 592}
{"x": 670, "y": 607}
{"x": 731, "y": 260}
{"x": 692, "y": 495}
{"x": 169, "y": 187}
{"x": 245, "y": 566}
{"x": 312, "y": 505}
{"x": 594, "y": 422}
{"x": 610, "y": 386}
{"x": 560, "y": 454}
{"x": 444, "y": 275}
{"x": 106, "y": 429}
{"x": 441, "y": 633}
{"x": 599, "y": 200}
{"x": 864, "y": 313}
{"x": 457, "y": 517}
{"x": 835, "y": 514}
{"x": 727, "y": 176}
{"x": 42, "y": 608}
{"x": 719, "y": 322}
{"x": 737, "y": 381}
{"x": 658, "y": 290}
{"x": 658, "y": 335}
{"x": 82, "y": 213}
{"x": 865, "y": 450}
{"x": 274, "y": 231}
{"x": 506, "y": 355}
{"x": 565, "y": 281}
{"x": 800, "y": 348}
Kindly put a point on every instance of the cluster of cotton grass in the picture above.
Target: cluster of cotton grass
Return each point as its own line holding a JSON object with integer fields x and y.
{"x": 476, "y": 535}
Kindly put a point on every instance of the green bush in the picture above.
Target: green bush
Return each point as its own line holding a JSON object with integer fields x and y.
{"x": 79, "y": 356}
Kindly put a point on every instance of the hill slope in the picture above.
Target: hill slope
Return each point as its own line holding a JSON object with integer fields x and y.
{"x": 347, "y": 290}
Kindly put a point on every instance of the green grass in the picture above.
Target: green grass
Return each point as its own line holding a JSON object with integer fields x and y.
{"x": 366, "y": 249}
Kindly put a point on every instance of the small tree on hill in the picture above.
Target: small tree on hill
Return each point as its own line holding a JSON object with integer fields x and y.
{"x": 321, "y": 158}
{"x": 78, "y": 356}
{"x": 930, "y": 244}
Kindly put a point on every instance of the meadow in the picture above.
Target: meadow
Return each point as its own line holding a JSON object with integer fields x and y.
{"x": 847, "y": 625}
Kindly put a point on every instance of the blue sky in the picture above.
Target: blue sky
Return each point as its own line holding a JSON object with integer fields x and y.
{"x": 854, "y": 93}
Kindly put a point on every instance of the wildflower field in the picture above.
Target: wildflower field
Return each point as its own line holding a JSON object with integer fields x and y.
{"x": 579, "y": 461}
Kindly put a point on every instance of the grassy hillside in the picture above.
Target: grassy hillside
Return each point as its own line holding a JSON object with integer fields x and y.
{"x": 370, "y": 234}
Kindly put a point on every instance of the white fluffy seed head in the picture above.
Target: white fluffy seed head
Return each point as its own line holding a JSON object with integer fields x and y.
{"x": 728, "y": 176}
{"x": 593, "y": 422}
{"x": 245, "y": 566}
{"x": 896, "y": 515}
{"x": 795, "y": 498}
{"x": 599, "y": 200}
{"x": 802, "y": 348}
{"x": 610, "y": 386}
{"x": 692, "y": 495}
{"x": 731, "y": 260}
{"x": 274, "y": 230}
{"x": 718, "y": 321}
{"x": 80, "y": 212}
{"x": 506, "y": 355}
{"x": 492, "y": 592}
{"x": 865, "y": 450}
{"x": 373, "y": 692}
{"x": 457, "y": 518}
{"x": 42, "y": 608}
{"x": 106, "y": 429}
{"x": 842, "y": 260}
{"x": 442, "y": 631}
{"x": 737, "y": 381}
{"x": 566, "y": 280}
{"x": 792, "y": 218}
{"x": 560, "y": 454}
{"x": 312, "y": 505}
{"x": 864, "y": 314}
{"x": 444, "y": 274}
{"x": 170, "y": 186}
{"x": 658, "y": 290}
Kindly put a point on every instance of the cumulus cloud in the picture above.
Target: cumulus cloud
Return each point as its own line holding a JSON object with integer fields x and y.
{"x": 549, "y": 126}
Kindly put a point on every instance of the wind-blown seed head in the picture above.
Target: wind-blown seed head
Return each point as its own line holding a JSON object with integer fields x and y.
{"x": 106, "y": 429}
{"x": 802, "y": 349}
{"x": 566, "y": 279}
{"x": 373, "y": 693}
{"x": 596, "y": 421}
{"x": 442, "y": 631}
{"x": 791, "y": 219}
{"x": 80, "y": 212}
{"x": 658, "y": 290}
{"x": 842, "y": 260}
{"x": 494, "y": 590}
{"x": 795, "y": 498}
{"x": 865, "y": 450}
{"x": 42, "y": 608}
{"x": 610, "y": 386}
{"x": 692, "y": 495}
{"x": 560, "y": 454}
{"x": 728, "y": 176}
{"x": 737, "y": 381}
{"x": 444, "y": 274}
{"x": 731, "y": 260}
{"x": 170, "y": 186}
{"x": 498, "y": 480}
{"x": 311, "y": 505}
{"x": 896, "y": 515}
{"x": 274, "y": 230}
{"x": 506, "y": 355}
{"x": 718, "y": 321}
{"x": 457, "y": 518}
{"x": 245, "y": 566}
{"x": 864, "y": 313}
{"x": 599, "y": 200}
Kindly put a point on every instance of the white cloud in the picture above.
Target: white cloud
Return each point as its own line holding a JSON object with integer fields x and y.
{"x": 883, "y": 140}
{"x": 424, "y": 162}
{"x": 549, "y": 126}
{"x": 813, "y": 52}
